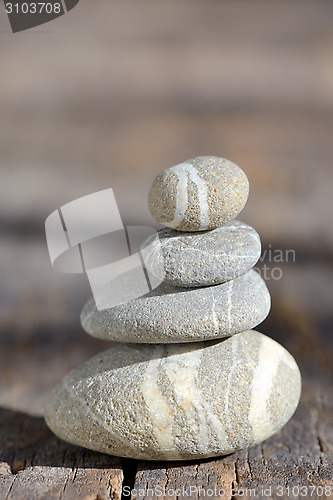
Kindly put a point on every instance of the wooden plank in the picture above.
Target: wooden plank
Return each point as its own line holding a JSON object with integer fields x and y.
{"x": 36, "y": 464}
{"x": 176, "y": 480}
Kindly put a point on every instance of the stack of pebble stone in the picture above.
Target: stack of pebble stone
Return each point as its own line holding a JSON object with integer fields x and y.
{"x": 191, "y": 379}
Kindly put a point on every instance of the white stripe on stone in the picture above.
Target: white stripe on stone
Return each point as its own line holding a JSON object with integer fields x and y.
{"x": 235, "y": 361}
{"x": 214, "y": 315}
{"x": 182, "y": 374}
{"x": 289, "y": 361}
{"x": 262, "y": 383}
{"x": 181, "y": 195}
{"x": 159, "y": 411}
{"x": 182, "y": 170}
{"x": 229, "y": 302}
{"x": 202, "y": 195}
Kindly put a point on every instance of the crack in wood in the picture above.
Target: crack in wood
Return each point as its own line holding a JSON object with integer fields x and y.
{"x": 11, "y": 488}
{"x": 130, "y": 469}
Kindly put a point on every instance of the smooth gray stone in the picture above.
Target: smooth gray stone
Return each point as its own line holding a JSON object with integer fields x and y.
{"x": 199, "y": 194}
{"x": 172, "y": 314}
{"x": 177, "y": 402}
{"x": 202, "y": 258}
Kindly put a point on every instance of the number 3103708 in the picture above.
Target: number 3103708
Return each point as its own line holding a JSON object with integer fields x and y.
{"x": 33, "y": 8}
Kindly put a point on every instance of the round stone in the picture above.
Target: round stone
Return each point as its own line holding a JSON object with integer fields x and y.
{"x": 177, "y": 402}
{"x": 203, "y": 258}
{"x": 198, "y": 194}
{"x": 170, "y": 314}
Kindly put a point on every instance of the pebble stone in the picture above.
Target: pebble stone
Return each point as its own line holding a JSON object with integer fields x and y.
{"x": 199, "y": 194}
{"x": 171, "y": 314}
{"x": 177, "y": 402}
{"x": 203, "y": 258}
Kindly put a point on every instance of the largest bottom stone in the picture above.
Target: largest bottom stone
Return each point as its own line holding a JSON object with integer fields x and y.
{"x": 177, "y": 402}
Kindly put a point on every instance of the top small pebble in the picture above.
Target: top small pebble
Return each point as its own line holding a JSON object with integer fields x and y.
{"x": 199, "y": 194}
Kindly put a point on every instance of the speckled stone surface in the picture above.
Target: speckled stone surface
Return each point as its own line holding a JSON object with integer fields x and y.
{"x": 172, "y": 314}
{"x": 203, "y": 258}
{"x": 198, "y": 194}
{"x": 177, "y": 402}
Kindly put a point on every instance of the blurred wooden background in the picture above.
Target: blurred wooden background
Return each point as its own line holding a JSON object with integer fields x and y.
{"x": 108, "y": 96}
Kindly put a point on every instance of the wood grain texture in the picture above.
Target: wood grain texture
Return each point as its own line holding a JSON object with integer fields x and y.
{"x": 35, "y": 464}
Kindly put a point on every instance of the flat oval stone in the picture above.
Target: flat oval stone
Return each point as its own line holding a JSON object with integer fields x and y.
{"x": 198, "y": 194}
{"x": 177, "y": 402}
{"x": 172, "y": 314}
{"x": 203, "y": 258}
